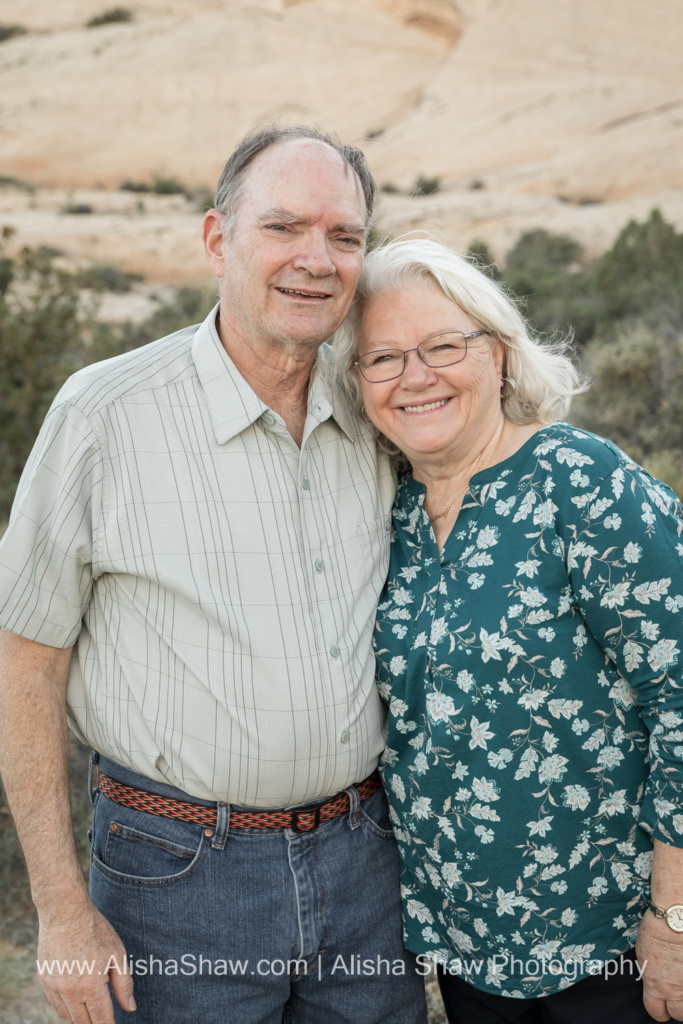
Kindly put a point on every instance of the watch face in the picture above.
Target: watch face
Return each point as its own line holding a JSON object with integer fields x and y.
{"x": 674, "y": 918}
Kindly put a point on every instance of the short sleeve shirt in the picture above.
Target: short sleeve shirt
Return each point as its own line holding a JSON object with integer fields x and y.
{"x": 219, "y": 583}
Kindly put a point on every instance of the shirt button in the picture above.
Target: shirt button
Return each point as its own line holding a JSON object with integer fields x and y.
{"x": 269, "y": 419}
{"x": 319, "y": 565}
{"x": 387, "y": 523}
{"x": 306, "y": 484}
{"x": 334, "y": 651}
{"x": 345, "y": 736}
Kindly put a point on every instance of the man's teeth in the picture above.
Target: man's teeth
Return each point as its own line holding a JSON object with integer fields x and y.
{"x": 309, "y": 295}
{"x": 425, "y": 408}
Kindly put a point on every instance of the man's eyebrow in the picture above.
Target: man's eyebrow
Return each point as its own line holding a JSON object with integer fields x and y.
{"x": 278, "y": 213}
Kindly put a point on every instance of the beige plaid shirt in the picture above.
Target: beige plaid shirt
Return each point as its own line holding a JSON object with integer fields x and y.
{"x": 218, "y": 583}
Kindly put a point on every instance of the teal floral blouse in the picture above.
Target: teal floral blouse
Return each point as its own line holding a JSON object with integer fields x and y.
{"x": 535, "y": 741}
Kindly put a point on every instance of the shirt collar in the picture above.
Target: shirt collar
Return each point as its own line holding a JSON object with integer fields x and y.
{"x": 234, "y": 405}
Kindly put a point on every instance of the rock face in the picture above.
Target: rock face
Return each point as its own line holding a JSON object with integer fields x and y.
{"x": 566, "y": 115}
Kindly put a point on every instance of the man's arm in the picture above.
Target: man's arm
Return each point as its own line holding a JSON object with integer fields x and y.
{"x": 34, "y": 765}
{"x": 657, "y": 943}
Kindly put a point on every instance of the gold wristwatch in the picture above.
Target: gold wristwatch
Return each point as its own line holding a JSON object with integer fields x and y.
{"x": 673, "y": 916}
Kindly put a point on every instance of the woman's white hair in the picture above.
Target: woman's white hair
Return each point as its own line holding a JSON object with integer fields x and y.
{"x": 545, "y": 380}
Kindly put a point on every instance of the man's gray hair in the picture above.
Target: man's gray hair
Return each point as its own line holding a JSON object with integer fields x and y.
{"x": 231, "y": 184}
{"x": 545, "y": 380}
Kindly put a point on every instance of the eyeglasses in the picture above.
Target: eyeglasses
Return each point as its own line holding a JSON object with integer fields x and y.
{"x": 439, "y": 350}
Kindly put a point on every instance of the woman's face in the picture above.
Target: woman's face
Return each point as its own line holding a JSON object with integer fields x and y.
{"x": 431, "y": 412}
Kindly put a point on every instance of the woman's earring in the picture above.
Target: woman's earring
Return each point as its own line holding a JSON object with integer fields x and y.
{"x": 507, "y": 387}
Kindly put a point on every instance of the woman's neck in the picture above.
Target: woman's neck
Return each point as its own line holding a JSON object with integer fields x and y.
{"x": 446, "y": 482}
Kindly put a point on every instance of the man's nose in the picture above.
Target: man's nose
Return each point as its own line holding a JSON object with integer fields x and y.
{"x": 314, "y": 256}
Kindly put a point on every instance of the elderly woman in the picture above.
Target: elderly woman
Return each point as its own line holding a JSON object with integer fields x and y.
{"x": 527, "y": 644}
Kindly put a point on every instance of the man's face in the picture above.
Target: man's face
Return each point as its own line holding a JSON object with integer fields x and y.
{"x": 290, "y": 265}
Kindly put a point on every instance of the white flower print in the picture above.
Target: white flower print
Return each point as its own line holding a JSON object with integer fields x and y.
{"x": 528, "y": 568}
{"x": 451, "y": 875}
{"x": 532, "y": 597}
{"x": 616, "y": 595}
{"x": 632, "y": 552}
{"x": 663, "y": 654}
{"x": 552, "y": 768}
{"x": 464, "y": 680}
{"x": 422, "y": 807}
{"x": 439, "y": 707}
{"x": 557, "y": 667}
{"x": 480, "y": 733}
{"x": 485, "y": 789}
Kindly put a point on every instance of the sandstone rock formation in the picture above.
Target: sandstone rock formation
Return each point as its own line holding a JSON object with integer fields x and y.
{"x": 566, "y": 115}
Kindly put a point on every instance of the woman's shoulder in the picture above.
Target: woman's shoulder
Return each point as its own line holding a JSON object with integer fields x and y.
{"x": 572, "y": 447}
{"x": 589, "y": 461}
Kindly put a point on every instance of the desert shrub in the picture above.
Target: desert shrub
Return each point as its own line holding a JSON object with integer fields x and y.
{"x": 78, "y": 209}
{"x": 164, "y": 186}
{"x": 134, "y": 186}
{"x": 10, "y": 31}
{"x": 110, "y": 17}
{"x": 559, "y": 292}
{"x": 481, "y": 255}
{"x": 637, "y": 396}
{"x": 188, "y": 306}
{"x": 642, "y": 274}
{"x": 108, "y": 278}
{"x": 425, "y": 186}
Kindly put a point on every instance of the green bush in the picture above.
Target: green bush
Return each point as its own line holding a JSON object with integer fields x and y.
{"x": 168, "y": 187}
{"x": 10, "y": 31}
{"x": 110, "y": 17}
{"x": 107, "y": 278}
{"x": 642, "y": 274}
{"x": 637, "y": 396}
{"x": 425, "y": 186}
{"x": 480, "y": 254}
{"x": 559, "y": 292}
{"x": 134, "y": 186}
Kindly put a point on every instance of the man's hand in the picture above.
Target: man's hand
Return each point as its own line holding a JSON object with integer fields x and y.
{"x": 94, "y": 955}
{"x": 34, "y": 764}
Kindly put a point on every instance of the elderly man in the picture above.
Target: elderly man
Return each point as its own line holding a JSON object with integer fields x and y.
{"x": 190, "y": 574}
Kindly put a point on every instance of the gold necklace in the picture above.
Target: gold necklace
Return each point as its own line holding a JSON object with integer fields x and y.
{"x": 442, "y": 515}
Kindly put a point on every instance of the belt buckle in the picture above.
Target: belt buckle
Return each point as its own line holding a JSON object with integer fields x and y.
{"x": 315, "y": 811}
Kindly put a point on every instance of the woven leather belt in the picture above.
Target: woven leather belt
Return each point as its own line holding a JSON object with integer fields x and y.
{"x": 301, "y": 819}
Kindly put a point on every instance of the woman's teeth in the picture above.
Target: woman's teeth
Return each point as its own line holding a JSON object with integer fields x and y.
{"x": 425, "y": 408}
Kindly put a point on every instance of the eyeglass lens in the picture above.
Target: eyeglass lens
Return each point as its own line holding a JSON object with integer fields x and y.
{"x": 387, "y": 363}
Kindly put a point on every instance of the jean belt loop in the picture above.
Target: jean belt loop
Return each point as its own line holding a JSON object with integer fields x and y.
{"x": 94, "y": 761}
{"x": 354, "y": 805}
{"x": 222, "y": 826}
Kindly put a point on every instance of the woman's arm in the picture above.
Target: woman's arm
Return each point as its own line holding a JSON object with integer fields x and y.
{"x": 659, "y": 949}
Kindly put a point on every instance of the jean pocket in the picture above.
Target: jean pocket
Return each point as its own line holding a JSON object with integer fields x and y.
{"x": 136, "y": 848}
{"x": 373, "y": 814}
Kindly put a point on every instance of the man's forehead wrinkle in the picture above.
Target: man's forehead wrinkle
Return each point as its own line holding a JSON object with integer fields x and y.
{"x": 281, "y": 214}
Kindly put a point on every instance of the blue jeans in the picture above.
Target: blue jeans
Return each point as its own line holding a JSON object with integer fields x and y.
{"x": 255, "y": 926}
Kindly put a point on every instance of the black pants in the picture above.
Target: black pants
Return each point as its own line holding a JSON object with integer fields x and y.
{"x": 596, "y": 999}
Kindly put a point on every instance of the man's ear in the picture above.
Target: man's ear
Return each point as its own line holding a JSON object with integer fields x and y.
{"x": 212, "y": 235}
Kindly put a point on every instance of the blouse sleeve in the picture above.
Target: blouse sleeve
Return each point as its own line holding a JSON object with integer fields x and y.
{"x": 624, "y": 556}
